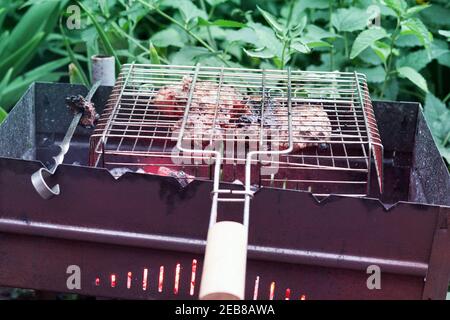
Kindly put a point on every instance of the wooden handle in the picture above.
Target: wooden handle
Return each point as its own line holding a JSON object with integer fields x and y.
{"x": 223, "y": 276}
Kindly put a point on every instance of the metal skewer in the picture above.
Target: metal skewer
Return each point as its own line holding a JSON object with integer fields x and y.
{"x": 38, "y": 178}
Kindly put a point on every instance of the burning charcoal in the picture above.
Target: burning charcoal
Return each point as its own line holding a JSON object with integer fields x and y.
{"x": 78, "y": 104}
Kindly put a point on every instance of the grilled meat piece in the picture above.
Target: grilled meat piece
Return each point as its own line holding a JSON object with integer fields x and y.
{"x": 310, "y": 125}
{"x": 212, "y": 109}
{"x": 78, "y": 104}
{"x": 171, "y": 99}
{"x": 216, "y": 108}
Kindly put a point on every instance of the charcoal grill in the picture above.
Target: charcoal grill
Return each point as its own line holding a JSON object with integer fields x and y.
{"x": 143, "y": 235}
{"x": 156, "y": 110}
{"x": 133, "y": 128}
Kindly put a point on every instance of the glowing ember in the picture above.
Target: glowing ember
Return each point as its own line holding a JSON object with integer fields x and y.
{"x": 288, "y": 294}
{"x": 161, "y": 279}
{"x": 129, "y": 275}
{"x": 113, "y": 281}
{"x": 144, "y": 279}
{"x": 272, "y": 291}
{"x": 255, "y": 291}
{"x": 177, "y": 278}
{"x": 194, "y": 271}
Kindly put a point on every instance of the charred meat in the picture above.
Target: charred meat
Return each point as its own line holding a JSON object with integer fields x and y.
{"x": 77, "y": 104}
{"x": 260, "y": 110}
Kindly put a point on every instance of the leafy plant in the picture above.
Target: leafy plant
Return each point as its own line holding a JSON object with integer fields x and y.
{"x": 18, "y": 47}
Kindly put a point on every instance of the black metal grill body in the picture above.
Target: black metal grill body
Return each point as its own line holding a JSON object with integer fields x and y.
{"x": 111, "y": 228}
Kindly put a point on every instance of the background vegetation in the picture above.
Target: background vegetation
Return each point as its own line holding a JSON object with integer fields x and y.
{"x": 406, "y": 58}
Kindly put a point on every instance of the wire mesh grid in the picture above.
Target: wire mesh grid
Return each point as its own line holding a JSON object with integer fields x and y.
{"x": 237, "y": 110}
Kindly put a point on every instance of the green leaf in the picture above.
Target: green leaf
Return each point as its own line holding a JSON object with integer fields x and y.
{"x": 17, "y": 87}
{"x": 416, "y": 60}
{"x": 445, "y": 33}
{"x": 3, "y": 114}
{"x": 215, "y": 3}
{"x": 266, "y": 38}
{"x": 188, "y": 9}
{"x": 221, "y": 23}
{"x": 19, "y": 58}
{"x": 392, "y": 90}
{"x": 3, "y": 41}
{"x": 444, "y": 60}
{"x": 72, "y": 57}
{"x": 262, "y": 53}
{"x": 407, "y": 41}
{"x": 366, "y": 39}
{"x": 349, "y": 20}
{"x": 413, "y": 76}
{"x": 300, "y": 6}
{"x": 399, "y": 6}
{"x": 369, "y": 56}
{"x": 299, "y": 27}
{"x": 315, "y": 33}
{"x": 381, "y": 49}
{"x": 38, "y": 18}
{"x": 421, "y": 58}
{"x": 154, "y": 57}
{"x": 272, "y": 21}
{"x": 436, "y": 15}
{"x": 191, "y": 55}
{"x": 3, "y": 13}
{"x": 167, "y": 37}
{"x": 374, "y": 75}
{"x": 438, "y": 119}
{"x": 75, "y": 75}
{"x": 416, "y": 27}
{"x": 102, "y": 34}
{"x": 246, "y": 35}
{"x": 414, "y": 10}
{"x": 318, "y": 44}
{"x": 5, "y": 80}
{"x": 300, "y": 46}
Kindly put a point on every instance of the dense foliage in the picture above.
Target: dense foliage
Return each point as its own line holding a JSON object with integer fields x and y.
{"x": 403, "y": 51}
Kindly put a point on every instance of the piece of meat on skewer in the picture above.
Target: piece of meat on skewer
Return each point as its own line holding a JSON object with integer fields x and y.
{"x": 78, "y": 104}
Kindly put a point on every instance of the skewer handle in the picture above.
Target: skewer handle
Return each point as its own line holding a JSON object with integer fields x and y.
{"x": 223, "y": 276}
